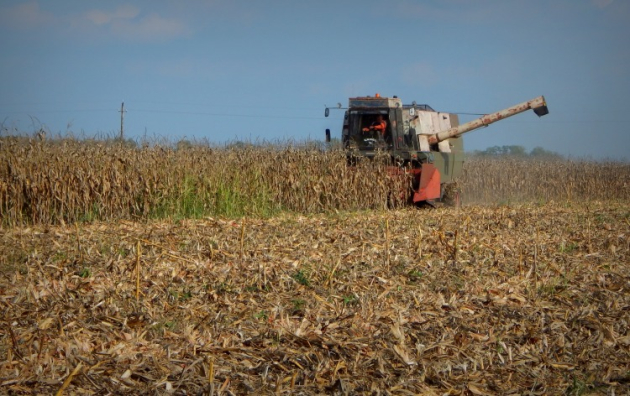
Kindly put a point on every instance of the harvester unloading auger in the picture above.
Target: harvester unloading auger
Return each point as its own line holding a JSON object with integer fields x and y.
{"x": 425, "y": 143}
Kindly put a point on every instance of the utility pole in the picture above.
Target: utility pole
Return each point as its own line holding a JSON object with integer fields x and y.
{"x": 122, "y": 118}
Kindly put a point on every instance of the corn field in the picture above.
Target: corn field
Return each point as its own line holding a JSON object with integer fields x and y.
{"x": 525, "y": 180}
{"x": 257, "y": 270}
{"x": 72, "y": 181}
{"x": 65, "y": 180}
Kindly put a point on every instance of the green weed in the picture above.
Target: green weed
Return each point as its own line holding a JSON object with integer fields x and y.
{"x": 85, "y": 273}
{"x": 262, "y": 315}
{"x": 301, "y": 277}
{"x": 415, "y": 275}
{"x": 298, "y": 305}
{"x": 568, "y": 247}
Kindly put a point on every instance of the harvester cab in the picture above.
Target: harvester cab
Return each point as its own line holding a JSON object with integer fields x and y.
{"x": 425, "y": 143}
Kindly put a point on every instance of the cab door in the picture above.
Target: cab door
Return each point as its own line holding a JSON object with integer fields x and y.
{"x": 397, "y": 129}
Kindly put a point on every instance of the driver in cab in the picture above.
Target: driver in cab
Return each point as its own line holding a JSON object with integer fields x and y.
{"x": 378, "y": 125}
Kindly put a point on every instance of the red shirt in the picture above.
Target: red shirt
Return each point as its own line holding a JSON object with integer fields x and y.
{"x": 380, "y": 126}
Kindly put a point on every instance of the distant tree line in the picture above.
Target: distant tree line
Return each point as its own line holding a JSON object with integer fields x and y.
{"x": 517, "y": 151}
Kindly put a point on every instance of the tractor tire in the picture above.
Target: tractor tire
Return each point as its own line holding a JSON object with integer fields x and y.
{"x": 451, "y": 194}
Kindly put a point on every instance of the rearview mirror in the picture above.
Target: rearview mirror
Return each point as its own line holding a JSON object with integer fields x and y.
{"x": 326, "y": 112}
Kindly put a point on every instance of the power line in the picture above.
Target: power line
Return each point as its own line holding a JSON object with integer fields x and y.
{"x": 151, "y": 102}
{"x": 214, "y": 114}
{"x": 218, "y": 105}
{"x": 224, "y": 114}
{"x": 460, "y": 112}
{"x": 58, "y": 111}
{"x": 270, "y": 116}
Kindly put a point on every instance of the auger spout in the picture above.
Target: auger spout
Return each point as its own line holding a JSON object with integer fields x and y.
{"x": 539, "y": 105}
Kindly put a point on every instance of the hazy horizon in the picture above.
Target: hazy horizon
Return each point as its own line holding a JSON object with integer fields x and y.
{"x": 240, "y": 70}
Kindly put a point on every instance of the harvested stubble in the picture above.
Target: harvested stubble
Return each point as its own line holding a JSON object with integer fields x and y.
{"x": 506, "y": 300}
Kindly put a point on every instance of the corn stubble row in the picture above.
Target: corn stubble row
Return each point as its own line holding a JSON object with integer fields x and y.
{"x": 502, "y": 300}
{"x": 66, "y": 181}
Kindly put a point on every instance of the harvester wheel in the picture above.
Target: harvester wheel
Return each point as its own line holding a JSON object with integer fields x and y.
{"x": 451, "y": 194}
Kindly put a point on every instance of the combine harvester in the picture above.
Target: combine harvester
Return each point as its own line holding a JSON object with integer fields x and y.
{"x": 423, "y": 143}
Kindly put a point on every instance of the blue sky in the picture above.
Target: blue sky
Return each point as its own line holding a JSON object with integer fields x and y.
{"x": 264, "y": 70}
